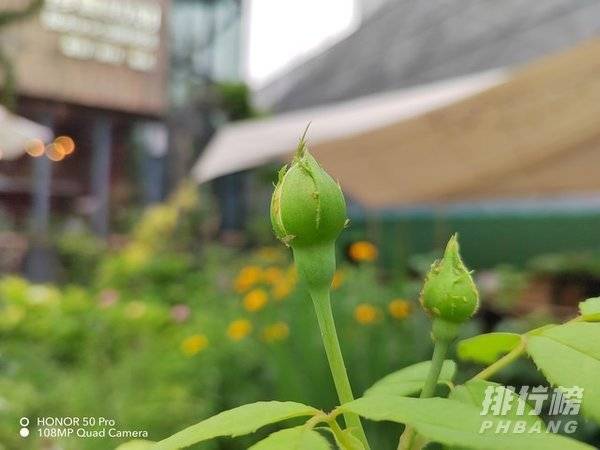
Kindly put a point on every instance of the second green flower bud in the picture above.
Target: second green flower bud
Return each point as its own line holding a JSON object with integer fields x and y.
{"x": 449, "y": 292}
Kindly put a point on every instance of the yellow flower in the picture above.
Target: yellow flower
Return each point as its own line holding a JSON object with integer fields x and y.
{"x": 248, "y": 277}
{"x": 338, "y": 279}
{"x": 363, "y": 251}
{"x": 272, "y": 275}
{"x": 255, "y": 300}
{"x": 399, "y": 308}
{"x": 278, "y": 331}
{"x": 366, "y": 314}
{"x": 239, "y": 329}
{"x": 194, "y": 344}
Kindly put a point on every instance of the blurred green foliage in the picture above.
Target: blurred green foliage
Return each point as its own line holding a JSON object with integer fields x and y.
{"x": 235, "y": 101}
{"x": 158, "y": 332}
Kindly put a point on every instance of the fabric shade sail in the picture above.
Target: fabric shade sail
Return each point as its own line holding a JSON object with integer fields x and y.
{"x": 533, "y": 132}
{"x": 250, "y": 143}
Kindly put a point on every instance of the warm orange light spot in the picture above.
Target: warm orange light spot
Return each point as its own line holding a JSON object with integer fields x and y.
{"x": 55, "y": 152}
{"x": 67, "y": 144}
{"x": 34, "y": 147}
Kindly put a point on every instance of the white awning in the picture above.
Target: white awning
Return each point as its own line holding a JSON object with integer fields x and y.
{"x": 246, "y": 144}
{"x": 16, "y": 132}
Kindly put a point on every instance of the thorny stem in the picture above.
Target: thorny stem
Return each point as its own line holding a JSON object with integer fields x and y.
{"x": 322, "y": 302}
{"x": 507, "y": 359}
{"x": 437, "y": 361}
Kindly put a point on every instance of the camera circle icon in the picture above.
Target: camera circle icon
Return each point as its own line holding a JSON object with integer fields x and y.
{"x": 24, "y": 432}
{"x": 24, "y": 422}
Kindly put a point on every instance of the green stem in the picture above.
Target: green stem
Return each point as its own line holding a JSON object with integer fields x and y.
{"x": 339, "y": 435}
{"x": 507, "y": 359}
{"x": 322, "y": 302}
{"x": 437, "y": 361}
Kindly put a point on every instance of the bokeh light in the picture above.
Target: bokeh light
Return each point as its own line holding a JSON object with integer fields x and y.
{"x": 55, "y": 152}
{"x": 66, "y": 143}
{"x": 35, "y": 148}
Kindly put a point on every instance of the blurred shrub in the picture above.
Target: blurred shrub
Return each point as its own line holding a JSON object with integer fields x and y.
{"x": 234, "y": 100}
{"x": 160, "y": 333}
{"x": 584, "y": 263}
{"x": 80, "y": 252}
{"x": 162, "y": 337}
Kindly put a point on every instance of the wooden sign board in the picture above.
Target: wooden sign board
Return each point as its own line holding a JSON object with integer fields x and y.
{"x": 100, "y": 53}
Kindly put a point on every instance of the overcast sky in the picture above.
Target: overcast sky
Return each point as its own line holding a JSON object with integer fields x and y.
{"x": 281, "y": 31}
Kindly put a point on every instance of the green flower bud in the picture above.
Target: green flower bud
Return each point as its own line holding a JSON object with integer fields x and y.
{"x": 308, "y": 206}
{"x": 308, "y": 213}
{"x": 449, "y": 292}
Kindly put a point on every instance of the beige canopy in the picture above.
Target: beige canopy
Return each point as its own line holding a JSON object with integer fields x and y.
{"x": 535, "y": 133}
{"x": 250, "y": 143}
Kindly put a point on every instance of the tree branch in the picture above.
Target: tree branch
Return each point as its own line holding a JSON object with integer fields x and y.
{"x": 7, "y": 17}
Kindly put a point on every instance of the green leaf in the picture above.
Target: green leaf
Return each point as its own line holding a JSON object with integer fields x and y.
{"x": 410, "y": 380}
{"x": 540, "y": 330}
{"x": 298, "y": 438}
{"x": 569, "y": 355}
{"x": 590, "y": 309}
{"x": 455, "y": 423}
{"x": 138, "y": 444}
{"x": 487, "y": 348}
{"x": 236, "y": 422}
{"x": 473, "y": 392}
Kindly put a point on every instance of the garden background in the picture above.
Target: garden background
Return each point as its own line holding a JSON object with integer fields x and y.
{"x": 139, "y": 277}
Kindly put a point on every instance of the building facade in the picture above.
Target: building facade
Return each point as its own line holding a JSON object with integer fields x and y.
{"x": 206, "y": 57}
{"x": 95, "y": 72}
